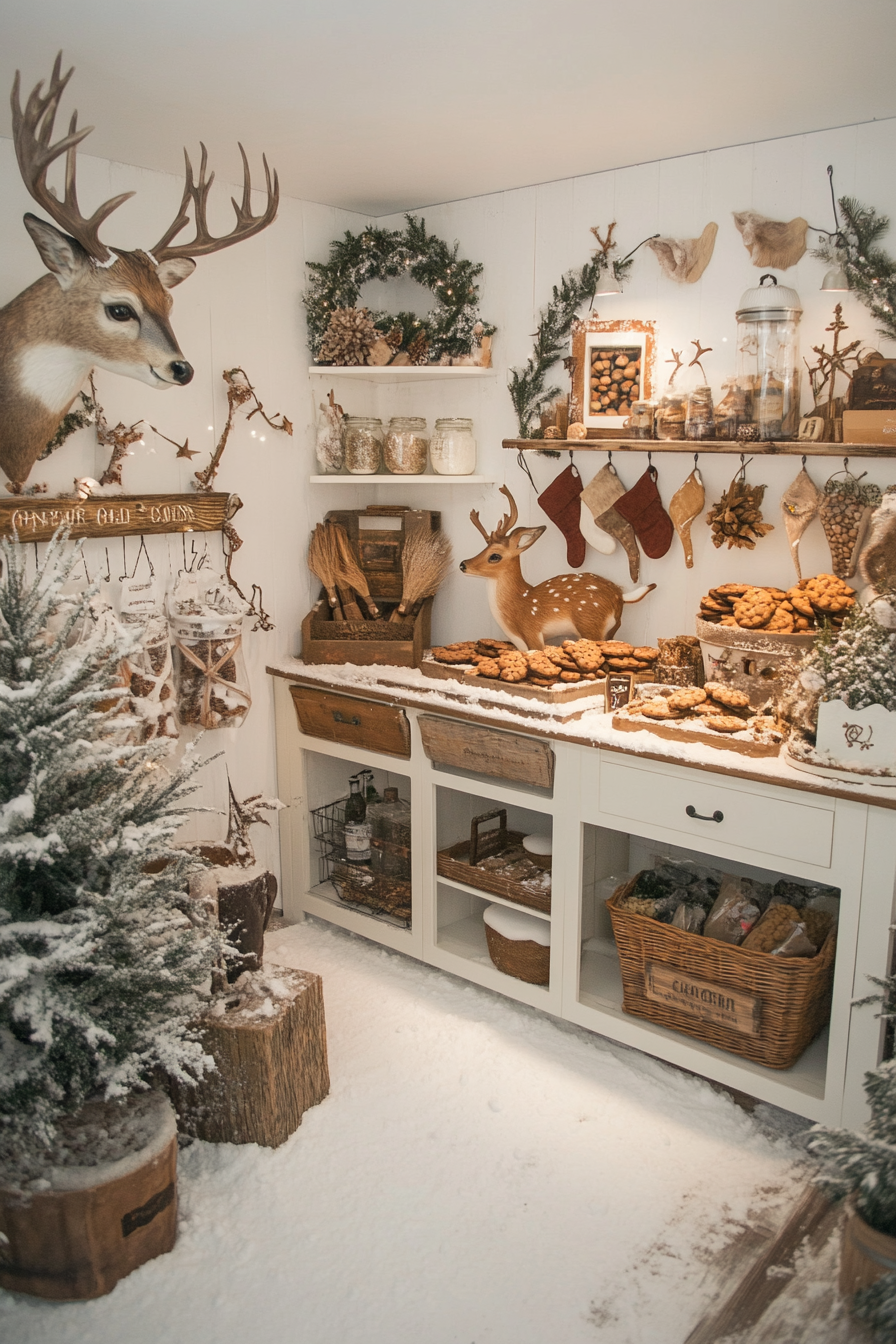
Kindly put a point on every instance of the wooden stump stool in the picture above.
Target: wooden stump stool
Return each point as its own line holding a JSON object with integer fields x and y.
{"x": 270, "y": 1047}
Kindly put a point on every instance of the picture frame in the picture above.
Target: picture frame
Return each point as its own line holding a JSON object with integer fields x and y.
{"x": 618, "y": 687}
{"x": 597, "y": 348}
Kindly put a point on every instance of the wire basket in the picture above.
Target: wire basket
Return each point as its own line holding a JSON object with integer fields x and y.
{"x": 328, "y": 829}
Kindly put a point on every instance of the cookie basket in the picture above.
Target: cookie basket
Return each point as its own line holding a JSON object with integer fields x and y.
{"x": 531, "y": 885}
{"x": 766, "y": 1009}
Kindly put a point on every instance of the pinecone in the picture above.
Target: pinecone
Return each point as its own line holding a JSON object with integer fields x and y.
{"x": 418, "y": 350}
{"x": 394, "y": 338}
{"x": 349, "y": 337}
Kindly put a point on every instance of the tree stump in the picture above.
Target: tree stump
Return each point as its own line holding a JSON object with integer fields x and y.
{"x": 89, "y": 1226}
{"x": 245, "y": 900}
{"x": 270, "y": 1047}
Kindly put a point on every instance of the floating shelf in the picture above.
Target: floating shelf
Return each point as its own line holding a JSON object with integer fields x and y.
{"x": 403, "y": 373}
{"x": 791, "y": 448}
{"x": 394, "y": 478}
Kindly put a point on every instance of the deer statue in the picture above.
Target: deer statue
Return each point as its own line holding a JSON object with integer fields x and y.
{"x": 580, "y": 606}
{"x": 99, "y": 307}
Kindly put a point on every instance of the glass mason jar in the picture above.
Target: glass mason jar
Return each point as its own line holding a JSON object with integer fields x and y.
{"x": 768, "y": 353}
{"x": 210, "y": 675}
{"x": 363, "y": 442}
{"x": 735, "y": 409}
{"x": 404, "y": 449}
{"x": 670, "y": 415}
{"x": 452, "y": 448}
{"x": 699, "y": 423}
{"x": 640, "y": 421}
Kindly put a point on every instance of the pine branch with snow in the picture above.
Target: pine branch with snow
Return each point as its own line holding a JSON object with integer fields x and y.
{"x": 101, "y": 950}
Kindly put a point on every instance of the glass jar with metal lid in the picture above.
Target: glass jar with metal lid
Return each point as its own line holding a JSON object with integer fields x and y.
{"x": 452, "y": 449}
{"x": 768, "y": 353}
{"x": 404, "y": 450}
{"x": 363, "y": 440}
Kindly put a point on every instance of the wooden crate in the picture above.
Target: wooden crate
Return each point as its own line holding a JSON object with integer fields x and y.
{"x": 366, "y": 724}
{"x": 459, "y": 862}
{"x": 379, "y": 548}
{"x": 365, "y": 643}
{"x": 487, "y": 751}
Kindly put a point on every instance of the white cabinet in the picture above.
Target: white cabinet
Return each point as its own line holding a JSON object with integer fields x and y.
{"x": 611, "y": 812}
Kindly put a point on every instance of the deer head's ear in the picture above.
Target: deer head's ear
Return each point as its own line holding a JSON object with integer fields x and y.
{"x": 524, "y": 537}
{"x": 174, "y": 270}
{"x": 59, "y": 253}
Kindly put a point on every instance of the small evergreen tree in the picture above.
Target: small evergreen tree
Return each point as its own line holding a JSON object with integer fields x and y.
{"x": 101, "y": 952}
{"x": 857, "y": 664}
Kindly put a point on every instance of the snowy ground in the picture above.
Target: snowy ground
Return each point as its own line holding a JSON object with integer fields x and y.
{"x": 479, "y": 1174}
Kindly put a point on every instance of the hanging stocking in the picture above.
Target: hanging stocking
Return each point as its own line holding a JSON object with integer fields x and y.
{"x": 643, "y": 508}
{"x": 560, "y": 502}
{"x": 686, "y": 505}
{"x": 599, "y": 495}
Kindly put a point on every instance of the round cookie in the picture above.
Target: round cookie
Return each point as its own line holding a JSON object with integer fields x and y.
{"x": 615, "y": 648}
{"x": 452, "y": 655}
{"x": 729, "y": 590}
{"x": 488, "y": 667}
{"x": 728, "y": 696}
{"x": 723, "y": 723}
{"x": 646, "y": 654}
{"x": 687, "y": 698}
{"x": 800, "y": 602}
{"x": 754, "y": 609}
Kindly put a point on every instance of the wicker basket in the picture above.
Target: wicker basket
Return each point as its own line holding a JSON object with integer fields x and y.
{"x": 519, "y": 957}
{"x": 459, "y": 862}
{"x": 767, "y": 1009}
{"x": 374, "y": 891}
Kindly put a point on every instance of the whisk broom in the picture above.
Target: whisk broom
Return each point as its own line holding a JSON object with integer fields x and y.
{"x": 425, "y": 562}
{"x": 322, "y": 566}
{"x": 348, "y": 573}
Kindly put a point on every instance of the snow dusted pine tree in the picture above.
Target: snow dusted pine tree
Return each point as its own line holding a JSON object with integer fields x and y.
{"x": 101, "y": 952}
{"x": 857, "y": 664}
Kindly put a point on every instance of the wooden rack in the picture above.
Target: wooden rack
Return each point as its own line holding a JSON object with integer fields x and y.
{"x": 33, "y": 518}
{"x": 790, "y": 448}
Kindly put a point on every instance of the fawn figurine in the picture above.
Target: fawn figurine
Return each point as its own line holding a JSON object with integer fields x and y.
{"x": 579, "y": 606}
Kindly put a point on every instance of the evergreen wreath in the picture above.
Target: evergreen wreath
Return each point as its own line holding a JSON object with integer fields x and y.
{"x": 870, "y": 271}
{"x": 384, "y": 254}
{"x": 527, "y": 385}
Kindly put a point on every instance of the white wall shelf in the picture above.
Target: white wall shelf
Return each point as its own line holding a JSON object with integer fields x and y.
{"x": 394, "y": 478}
{"x": 403, "y": 373}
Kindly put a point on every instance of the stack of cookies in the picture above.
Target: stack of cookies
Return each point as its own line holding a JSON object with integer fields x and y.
{"x": 799, "y": 610}
{"x": 576, "y": 660}
{"x": 719, "y": 708}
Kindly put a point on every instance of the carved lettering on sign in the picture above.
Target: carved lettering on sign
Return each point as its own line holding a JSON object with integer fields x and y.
{"x": 700, "y": 998}
{"x": 118, "y": 516}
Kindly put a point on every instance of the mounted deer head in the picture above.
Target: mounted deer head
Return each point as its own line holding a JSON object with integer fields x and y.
{"x": 582, "y": 606}
{"x": 100, "y": 306}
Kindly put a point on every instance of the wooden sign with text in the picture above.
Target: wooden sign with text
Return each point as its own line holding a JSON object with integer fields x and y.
{"x": 699, "y": 998}
{"x": 32, "y": 518}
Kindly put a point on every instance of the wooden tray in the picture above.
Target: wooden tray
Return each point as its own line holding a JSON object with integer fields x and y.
{"x": 689, "y": 730}
{"x": 459, "y": 862}
{"x": 553, "y": 695}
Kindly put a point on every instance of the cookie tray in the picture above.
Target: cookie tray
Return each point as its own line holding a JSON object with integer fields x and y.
{"x": 689, "y": 730}
{"x": 548, "y": 695}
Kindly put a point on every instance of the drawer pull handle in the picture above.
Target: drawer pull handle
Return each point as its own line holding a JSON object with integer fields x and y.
{"x": 691, "y": 811}
{"x": 353, "y": 722}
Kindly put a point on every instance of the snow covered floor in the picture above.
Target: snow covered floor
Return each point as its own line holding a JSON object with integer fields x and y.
{"x": 479, "y": 1174}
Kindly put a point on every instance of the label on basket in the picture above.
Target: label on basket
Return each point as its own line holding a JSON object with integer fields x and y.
{"x": 712, "y": 1003}
{"x": 357, "y": 841}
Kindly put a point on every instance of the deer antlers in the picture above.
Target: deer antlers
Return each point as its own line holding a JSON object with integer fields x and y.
{"x": 246, "y": 223}
{"x": 32, "y": 133}
{"x": 506, "y": 523}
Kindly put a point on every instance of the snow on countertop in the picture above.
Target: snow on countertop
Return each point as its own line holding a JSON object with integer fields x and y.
{"x": 593, "y": 727}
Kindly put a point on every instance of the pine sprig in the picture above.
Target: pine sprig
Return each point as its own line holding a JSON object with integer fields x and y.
{"x": 384, "y": 254}
{"x": 870, "y": 270}
{"x": 528, "y": 386}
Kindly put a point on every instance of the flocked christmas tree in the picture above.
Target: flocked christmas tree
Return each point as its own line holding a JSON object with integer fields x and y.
{"x": 857, "y": 664}
{"x": 101, "y": 952}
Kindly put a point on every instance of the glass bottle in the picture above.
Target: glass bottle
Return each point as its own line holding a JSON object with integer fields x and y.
{"x": 357, "y": 827}
{"x": 452, "y": 449}
{"x": 363, "y": 443}
{"x": 768, "y": 356}
{"x": 404, "y": 449}
{"x": 391, "y": 819}
{"x": 370, "y": 793}
{"x": 699, "y": 422}
{"x": 734, "y": 410}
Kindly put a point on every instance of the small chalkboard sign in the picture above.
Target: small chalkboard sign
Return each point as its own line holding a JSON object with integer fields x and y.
{"x": 617, "y": 690}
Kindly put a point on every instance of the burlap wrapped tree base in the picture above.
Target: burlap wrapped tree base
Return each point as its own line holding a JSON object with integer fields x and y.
{"x": 271, "y": 1051}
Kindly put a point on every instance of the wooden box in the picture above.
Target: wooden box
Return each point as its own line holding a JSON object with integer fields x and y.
{"x": 487, "y": 751}
{"x": 460, "y": 863}
{"x": 367, "y": 724}
{"x": 378, "y": 534}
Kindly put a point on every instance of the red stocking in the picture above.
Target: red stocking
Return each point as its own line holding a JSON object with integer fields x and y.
{"x": 561, "y": 503}
{"x": 643, "y": 508}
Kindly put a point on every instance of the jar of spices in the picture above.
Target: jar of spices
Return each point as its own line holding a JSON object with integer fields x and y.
{"x": 670, "y": 416}
{"x": 452, "y": 449}
{"x": 363, "y": 442}
{"x": 404, "y": 450}
{"x": 699, "y": 423}
{"x": 640, "y": 421}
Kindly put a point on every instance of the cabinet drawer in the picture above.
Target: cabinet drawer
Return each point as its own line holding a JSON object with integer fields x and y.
{"x": 487, "y": 751}
{"x": 770, "y": 825}
{"x": 363, "y": 723}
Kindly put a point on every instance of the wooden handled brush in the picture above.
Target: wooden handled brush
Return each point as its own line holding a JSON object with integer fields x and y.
{"x": 321, "y": 564}
{"x": 349, "y": 573}
{"x": 425, "y": 562}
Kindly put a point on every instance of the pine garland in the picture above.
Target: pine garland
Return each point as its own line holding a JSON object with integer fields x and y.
{"x": 870, "y": 271}
{"x": 527, "y": 386}
{"x": 101, "y": 950}
{"x": 384, "y": 254}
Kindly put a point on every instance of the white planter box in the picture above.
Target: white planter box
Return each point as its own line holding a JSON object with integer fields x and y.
{"x": 857, "y": 739}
